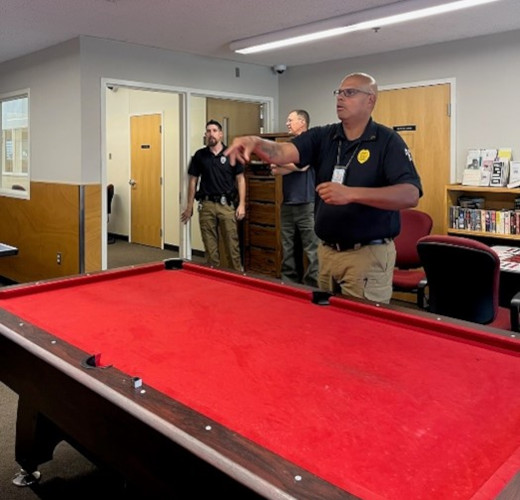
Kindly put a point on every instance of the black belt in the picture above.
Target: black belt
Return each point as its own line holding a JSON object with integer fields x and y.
{"x": 340, "y": 247}
{"x": 218, "y": 198}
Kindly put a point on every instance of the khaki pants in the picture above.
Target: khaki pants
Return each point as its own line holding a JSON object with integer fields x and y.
{"x": 212, "y": 217}
{"x": 364, "y": 273}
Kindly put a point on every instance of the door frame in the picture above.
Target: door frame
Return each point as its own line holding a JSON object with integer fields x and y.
{"x": 184, "y": 94}
{"x": 452, "y": 111}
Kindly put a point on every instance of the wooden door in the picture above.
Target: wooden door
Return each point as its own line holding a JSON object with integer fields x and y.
{"x": 237, "y": 117}
{"x": 421, "y": 116}
{"x": 146, "y": 186}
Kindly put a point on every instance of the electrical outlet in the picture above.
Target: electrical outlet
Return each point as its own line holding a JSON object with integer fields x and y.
{"x": 58, "y": 258}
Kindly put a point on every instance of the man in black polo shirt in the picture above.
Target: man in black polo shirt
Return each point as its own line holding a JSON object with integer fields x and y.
{"x": 364, "y": 176}
{"x": 218, "y": 185}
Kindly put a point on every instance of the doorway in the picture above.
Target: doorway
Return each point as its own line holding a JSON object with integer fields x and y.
{"x": 237, "y": 117}
{"x": 184, "y": 115}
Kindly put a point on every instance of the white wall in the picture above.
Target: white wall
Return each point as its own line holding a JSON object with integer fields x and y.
{"x": 118, "y": 157}
{"x": 65, "y": 84}
{"x": 486, "y": 70}
{"x": 171, "y": 70}
{"x": 53, "y": 77}
{"x": 198, "y": 116}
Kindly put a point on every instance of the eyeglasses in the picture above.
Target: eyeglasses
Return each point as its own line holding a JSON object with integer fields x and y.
{"x": 350, "y": 92}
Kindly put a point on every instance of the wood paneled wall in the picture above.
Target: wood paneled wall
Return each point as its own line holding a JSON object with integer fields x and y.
{"x": 93, "y": 217}
{"x": 47, "y": 225}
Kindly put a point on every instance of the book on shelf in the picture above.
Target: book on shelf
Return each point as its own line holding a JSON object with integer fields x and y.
{"x": 473, "y": 159}
{"x": 486, "y": 168}
{"x": 514, "y": 174}
{"x": 480, "y": 220}
{"x": 505, "y": 153}
{"x": 461, "y": 220}
{"x": 479, "y": 167}
{"x": 487, "y": 157}
{"x": 488, "y": 154}
{"x": 487, "y": 227}
{"x": 472, "y": 177}
{"x": 499, "y": 222}
{"x": 472, "y": 173}
{"x": 507, "y": 221}
{"x": 499, "y": 173}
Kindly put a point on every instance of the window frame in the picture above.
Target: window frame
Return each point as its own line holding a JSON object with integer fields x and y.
{"x": 5, "y": 175}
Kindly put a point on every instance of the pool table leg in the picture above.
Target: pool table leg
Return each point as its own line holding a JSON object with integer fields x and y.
{"x": 36, "y": 439}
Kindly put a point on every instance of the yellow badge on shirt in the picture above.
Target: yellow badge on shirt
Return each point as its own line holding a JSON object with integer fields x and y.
{"x": 363, "y": 156}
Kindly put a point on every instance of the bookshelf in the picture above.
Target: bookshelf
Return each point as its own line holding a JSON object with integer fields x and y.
{"x": 497, "y": 199}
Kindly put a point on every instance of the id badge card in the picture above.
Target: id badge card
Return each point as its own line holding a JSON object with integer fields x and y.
{"x": 338, "y": 174}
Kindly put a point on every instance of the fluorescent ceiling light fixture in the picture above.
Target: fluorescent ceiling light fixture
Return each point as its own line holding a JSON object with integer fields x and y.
{"x": 241, "y": 48}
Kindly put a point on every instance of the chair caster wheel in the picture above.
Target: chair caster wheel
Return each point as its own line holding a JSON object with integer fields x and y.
{"x": 24, "y": 478}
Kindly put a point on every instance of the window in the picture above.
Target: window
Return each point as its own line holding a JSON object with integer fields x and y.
{"x": 14, "y": 145}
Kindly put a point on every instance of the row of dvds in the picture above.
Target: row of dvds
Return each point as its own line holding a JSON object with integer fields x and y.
{"x": 485, "y": 221}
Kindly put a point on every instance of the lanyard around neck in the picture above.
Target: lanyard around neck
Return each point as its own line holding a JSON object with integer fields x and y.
{"x": 351, "y": 157}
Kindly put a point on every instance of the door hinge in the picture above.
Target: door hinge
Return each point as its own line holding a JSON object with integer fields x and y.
{"x": 160, "y": 233}
{"x": 449, "y": 109}
{"x": 160, "y": 129}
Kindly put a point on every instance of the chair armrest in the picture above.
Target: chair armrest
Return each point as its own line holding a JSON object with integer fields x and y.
{"x": 514, "y": 309}
{"x": 422, "y": 301}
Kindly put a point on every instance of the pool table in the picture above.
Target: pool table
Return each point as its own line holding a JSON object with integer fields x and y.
{"x": 180, "y": 377}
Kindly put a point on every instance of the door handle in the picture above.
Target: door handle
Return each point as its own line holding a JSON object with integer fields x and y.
{"x": 132, "y": 182}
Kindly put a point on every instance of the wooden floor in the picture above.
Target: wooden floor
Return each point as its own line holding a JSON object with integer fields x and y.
{"x": 121, "y": 254}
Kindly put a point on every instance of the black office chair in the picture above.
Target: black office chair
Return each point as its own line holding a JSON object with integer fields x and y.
{"x": 408, "y": 272}
{"x": 110, "y": 197}
{"x": 463, "y": 278}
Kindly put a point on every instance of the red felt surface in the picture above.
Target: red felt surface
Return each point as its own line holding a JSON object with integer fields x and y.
{"x": 381, "y": 404}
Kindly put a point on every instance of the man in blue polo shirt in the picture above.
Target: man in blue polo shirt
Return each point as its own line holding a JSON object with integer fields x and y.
{"x": 364, "y": 175}
{"x": 297, "y": 212}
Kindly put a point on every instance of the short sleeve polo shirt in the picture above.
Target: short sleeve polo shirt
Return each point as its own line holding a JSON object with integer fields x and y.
{"x": 378, "y": 158}
{"x": 217, "y": 176}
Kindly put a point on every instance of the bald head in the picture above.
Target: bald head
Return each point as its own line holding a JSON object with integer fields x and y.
{"x": 355, "y": 101}
{"x": 363, "y": 81}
